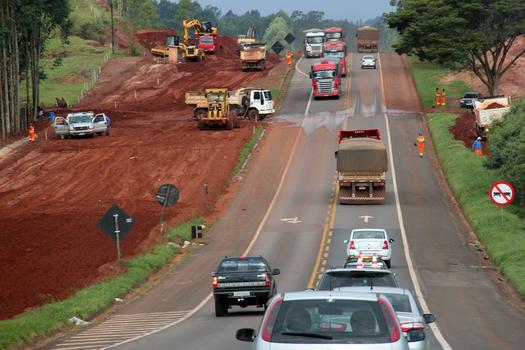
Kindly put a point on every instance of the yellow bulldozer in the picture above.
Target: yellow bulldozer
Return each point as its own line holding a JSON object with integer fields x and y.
{"x": 213, "y": 109}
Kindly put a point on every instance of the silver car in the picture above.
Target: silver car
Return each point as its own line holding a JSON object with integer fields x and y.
{"x": 368, "y": 61}
{"x": 321, "y": 320}
{"x": 407, "y": 310}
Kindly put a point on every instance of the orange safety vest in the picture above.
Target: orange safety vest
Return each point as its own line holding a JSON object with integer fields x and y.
{"x": 443, "y": 98}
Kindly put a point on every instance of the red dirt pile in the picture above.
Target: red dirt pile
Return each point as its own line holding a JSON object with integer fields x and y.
{"x": 494, "y": 105}
{"x": 54, "y": 192}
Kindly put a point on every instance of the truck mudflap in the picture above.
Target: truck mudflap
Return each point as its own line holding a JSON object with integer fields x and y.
{"x": 375, "y": 196}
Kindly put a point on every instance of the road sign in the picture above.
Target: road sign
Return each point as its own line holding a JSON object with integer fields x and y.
{"x": 277, "y": 47}
{"x": 167, "y": 195}
{"x": 502, "y": 193}
{"x": 116, "y": 223}
{"x": 289, "y": 38}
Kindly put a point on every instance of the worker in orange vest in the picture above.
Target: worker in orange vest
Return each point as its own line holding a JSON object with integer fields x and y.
{"x": 438, "y": 97}
{"x": 443, "y": 98}
{"x": 31, "y": 131}
{"x": 289, "y": 56}
{"x": 420, "y": 143}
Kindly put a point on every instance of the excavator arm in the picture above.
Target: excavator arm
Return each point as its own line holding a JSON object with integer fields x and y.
{"x": 198, "y": 28}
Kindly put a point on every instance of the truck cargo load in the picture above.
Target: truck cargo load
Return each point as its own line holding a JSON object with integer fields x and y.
{"x": 488, "y": 110}
{"x": 253, "y": 56}
{"x": 367, "y": 39}
{"x": 361, "y": 166}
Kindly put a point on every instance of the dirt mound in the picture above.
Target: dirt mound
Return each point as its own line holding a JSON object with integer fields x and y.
{"x": 494, "y": 105}
{"x": 54, "y": 192}
{"x": 151, "y": 38}
{"x": 464, "y": 130}
{"x": 512, "y": 83}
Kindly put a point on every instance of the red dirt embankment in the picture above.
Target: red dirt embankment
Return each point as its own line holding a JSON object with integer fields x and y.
{"x": 54, "y": 192}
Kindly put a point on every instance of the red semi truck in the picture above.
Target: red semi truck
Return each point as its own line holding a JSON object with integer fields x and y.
{"x": 334, "y": 34}
{"x": 326, "y": 79}
{"x": 336, "y": 50}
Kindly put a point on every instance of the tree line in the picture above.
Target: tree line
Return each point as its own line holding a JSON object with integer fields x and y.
{"x": 24, "y": 27}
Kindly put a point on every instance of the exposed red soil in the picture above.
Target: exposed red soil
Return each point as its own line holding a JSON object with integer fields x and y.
{"x": 54, "y": 192}
{"x": 512, "y": 83}
{"x": 494, "y": 105}
{"x": 464, "y": 130}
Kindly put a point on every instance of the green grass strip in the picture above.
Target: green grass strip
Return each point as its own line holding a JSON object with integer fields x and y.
{"x": 427, "y": 76}
{"x": 501, "y": 231}
{"x": 247, "y": 150}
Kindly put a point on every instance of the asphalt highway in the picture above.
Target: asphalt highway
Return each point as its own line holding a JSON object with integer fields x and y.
{"x": 285, "y": 210}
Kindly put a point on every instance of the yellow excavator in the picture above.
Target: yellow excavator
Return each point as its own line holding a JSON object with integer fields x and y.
{"x": 204, "y": 39}
{"x": 249, "y": 38}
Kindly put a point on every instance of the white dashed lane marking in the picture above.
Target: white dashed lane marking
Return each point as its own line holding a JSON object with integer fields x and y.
{"x": 119, "y": 328}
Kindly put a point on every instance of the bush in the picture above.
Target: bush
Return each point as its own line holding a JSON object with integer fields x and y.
{"x": 506, "y": 150}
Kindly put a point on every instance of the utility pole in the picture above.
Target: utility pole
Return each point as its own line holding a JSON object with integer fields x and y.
{"x": 112, "y": 30}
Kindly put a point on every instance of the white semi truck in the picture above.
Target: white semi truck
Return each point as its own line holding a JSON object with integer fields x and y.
{"x": 313, "y": 43}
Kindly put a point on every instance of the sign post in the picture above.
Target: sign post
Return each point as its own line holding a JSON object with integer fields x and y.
{"x": 116, "y": 223}
{"x": 502, "y": 194}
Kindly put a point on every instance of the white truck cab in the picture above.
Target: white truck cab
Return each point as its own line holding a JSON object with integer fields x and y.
{"x": 81, "y": 124}
{"x": 313, "y": 43}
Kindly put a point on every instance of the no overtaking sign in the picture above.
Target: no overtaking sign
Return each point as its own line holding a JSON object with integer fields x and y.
{"x": 502, "y": 193}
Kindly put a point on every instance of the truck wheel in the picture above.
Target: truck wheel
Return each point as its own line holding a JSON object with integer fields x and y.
{"x": 237, "y": 123}
{"x": 230, "y": 123}
{"x": 201, "y": 114}
{"x": 201, "y": 124}
{"x": 220, "y": 308}
{"x": 253, "y": 114}
{"x": 387, "y": 263}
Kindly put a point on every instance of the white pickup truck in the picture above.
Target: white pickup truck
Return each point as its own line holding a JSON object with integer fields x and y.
{"x": 81, "y": 124}
{"x": 488, "y": 110}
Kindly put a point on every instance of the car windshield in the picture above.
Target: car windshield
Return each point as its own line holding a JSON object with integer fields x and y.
{"x": 205, "y": 39}
{"x": 400, "y": 302}
{"x": 323, "y": 74}
{"x": 471, "y": 96}
{"x": 368, "y": 58}
{"x": 368, "y": 235}
{"x": 83, "y": 118}
{"x": 314, "y": 39}
{"x": 242, "y": 265}
{"x": 338, "y": 279}
{"x": 335, "y": 35}
{"x": 330, "y": 322}
{"x": 334, "y": 54}
{"x": 215, "y": 97}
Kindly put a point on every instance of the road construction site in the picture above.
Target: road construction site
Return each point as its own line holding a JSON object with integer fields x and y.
{"x": 54, "y": 192}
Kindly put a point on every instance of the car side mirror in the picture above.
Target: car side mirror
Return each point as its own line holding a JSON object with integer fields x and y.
{"x": 429, "y": 318}
{"x": 391, "y": 240}
{"x": 415, "y": 335}
{"x": 213, "y": 274}
{"x": 311, "y": 75}
{"x": 245, "y": 334}
{"x": 276, "y": 272}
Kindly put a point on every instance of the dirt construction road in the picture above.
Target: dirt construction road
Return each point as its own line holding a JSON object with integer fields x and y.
{"x": 54, "y": 192}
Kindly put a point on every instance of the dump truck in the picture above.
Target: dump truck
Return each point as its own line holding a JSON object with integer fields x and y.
{"x": 250, "y": 103}
{"x": 367, "y": 39}
{"x": 253, "y": 56}
{"x": 361, "y": 167}
{"x": 489, "y": 110}
{"x": 212, "y": 109}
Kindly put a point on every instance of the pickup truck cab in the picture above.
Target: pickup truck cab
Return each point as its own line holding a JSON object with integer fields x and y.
{"x": 243, "y": 281}
{"x": 81, "y": 124}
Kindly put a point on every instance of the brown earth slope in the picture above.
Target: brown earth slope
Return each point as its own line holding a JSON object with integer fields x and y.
{"x": 54, "y": 192}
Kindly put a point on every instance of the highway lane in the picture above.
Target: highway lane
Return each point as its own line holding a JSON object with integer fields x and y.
{"x": 305, "y": 194}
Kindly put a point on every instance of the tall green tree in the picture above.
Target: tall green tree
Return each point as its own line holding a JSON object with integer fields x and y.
{"x": 277, "y": 30}
{"x": 477, "y": 34}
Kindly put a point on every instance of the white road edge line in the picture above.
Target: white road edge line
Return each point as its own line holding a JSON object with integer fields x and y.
{"x": 419, "y": 294}
{"x": 250, "y": 246}
{"x": 300, "y": 71}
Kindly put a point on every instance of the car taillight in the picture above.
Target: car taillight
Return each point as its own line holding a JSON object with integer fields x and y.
{"x": 351, "y": 245}
{"x": 410, "y": 326}
{"x": 215, "y": 282}
{"x": 385, "y": 244}
{"x": 391, "y": 320}
{"x": 267, "y": 279}
{"x": 377, "y": 184}
{"x": 269, "y": 319}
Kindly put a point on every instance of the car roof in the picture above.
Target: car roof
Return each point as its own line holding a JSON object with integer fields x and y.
{"x": 352, "y": 269}
{"x": 376, "y": 289}
{"x": 321, "y": 295}
{"x": 243, "y": 257}
{"x": 368, "y": 229}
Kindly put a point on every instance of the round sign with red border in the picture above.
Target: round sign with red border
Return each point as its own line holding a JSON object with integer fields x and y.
{"x": 502, "y": 193}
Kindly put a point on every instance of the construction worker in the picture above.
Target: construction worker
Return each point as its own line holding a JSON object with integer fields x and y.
{"x": 477, "y": 148}
{"x": 438, "y": 97}
{"x": 289, "y": 56}
{"x": 443, "y": 98}
{"x": 31, "y": 131}
{"x": 420, "y": 143}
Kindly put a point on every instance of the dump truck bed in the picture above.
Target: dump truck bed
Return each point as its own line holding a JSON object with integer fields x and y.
{"x": 253, "y": 53}
{"x": 360, "y": 155}
{"x": 195, "y": 98}
{"x": 489, "y": 110}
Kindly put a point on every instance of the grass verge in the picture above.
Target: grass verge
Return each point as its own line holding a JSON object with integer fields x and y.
{"x": 90, "y": 301}
{"x": 427, "y": 76}
{"x": 247, "y": 150}
{"x": 501, "y": 231}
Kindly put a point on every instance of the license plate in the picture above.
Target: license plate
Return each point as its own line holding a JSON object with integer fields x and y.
{"x": 241, "y": 294}
{"x": 81, "y": 134}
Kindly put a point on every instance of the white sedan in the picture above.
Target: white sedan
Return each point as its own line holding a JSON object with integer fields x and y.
{"x": 368, "y": 61}
{"x": 370, "y": 242}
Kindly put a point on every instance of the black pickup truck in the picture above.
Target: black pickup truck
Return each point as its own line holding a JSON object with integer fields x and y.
{"x": 243, "y": 281}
